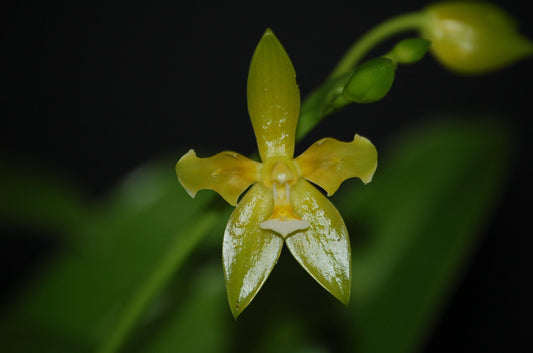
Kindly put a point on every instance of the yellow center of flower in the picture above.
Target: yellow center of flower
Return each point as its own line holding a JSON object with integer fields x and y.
{"x": 279, "y": 171}
{"x": 280, "y": 176}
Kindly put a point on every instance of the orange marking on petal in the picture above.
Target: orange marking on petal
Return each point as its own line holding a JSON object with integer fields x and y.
{"x": 283, "y": 220}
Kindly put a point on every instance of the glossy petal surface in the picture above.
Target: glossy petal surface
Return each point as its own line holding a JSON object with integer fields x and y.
{"x": 324, "y": 248}
{"x": 249, "y": 252}
{"x": 227, "y": 173}
{"x": 273, "y": 98}
{"x": 329, "y": 162}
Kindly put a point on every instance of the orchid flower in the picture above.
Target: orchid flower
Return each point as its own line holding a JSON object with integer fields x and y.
{"x": 281, "y": 206}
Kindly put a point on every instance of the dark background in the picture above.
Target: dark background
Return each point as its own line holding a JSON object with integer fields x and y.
{"x": 92, "y": 89}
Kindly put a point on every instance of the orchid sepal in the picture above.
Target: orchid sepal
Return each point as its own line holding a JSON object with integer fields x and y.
{"x": 273, "y": 98}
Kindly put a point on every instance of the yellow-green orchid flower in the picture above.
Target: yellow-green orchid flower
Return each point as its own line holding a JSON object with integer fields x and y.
{"x": 281, "y": 206}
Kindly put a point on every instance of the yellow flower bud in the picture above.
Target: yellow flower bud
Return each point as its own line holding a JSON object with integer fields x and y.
{"x": 474, "y": 37}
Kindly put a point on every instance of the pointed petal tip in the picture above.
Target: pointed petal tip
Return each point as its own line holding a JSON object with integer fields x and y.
{"x": 189, "y": 152}
{"x": 331, "y": 192}
{"x": 368, "y": 178}
{"x": 268, "y": 36}
{"x": 359, "y": 137}
{"x": 341, "y": 293}
{"x": 345, "y": 298}
{"x": 192, "y": 193}
{"x": 237, "y": 307}
{"x": 235, "y": 311}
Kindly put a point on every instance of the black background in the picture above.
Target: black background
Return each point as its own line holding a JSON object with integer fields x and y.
{"x": 93, "y": 89}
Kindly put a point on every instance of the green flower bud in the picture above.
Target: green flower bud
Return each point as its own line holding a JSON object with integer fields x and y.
{"x": 409, "y": 51}
{"x": 371, "y": 81}
{"x": 474, "y": 38}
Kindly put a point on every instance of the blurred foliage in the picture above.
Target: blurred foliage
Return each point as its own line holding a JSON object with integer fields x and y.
{"x": 412, "y": 230}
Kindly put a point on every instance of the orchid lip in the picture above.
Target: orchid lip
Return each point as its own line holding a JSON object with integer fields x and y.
{"x": 283, "y": 220}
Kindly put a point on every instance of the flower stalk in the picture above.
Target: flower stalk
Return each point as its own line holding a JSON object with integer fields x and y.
{"x": 320, "y": 103}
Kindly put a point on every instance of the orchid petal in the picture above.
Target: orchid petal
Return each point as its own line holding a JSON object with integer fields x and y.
{"x": 227, "y": 173}
{"x": 273, "y": 98}
{"x": 249, "y": 252}
{"x": 329, "y": 162}
{"x": 324, "y": 248}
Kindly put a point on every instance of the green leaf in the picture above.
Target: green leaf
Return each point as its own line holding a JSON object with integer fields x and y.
{"x": 33, "y": 198}
{"x": 287, "y": 333}
{"x": 424, "y": 210}
{"x": 79, "y": 291}
{"x": 419, "y": 219}
{"x": 202, "y": 311}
